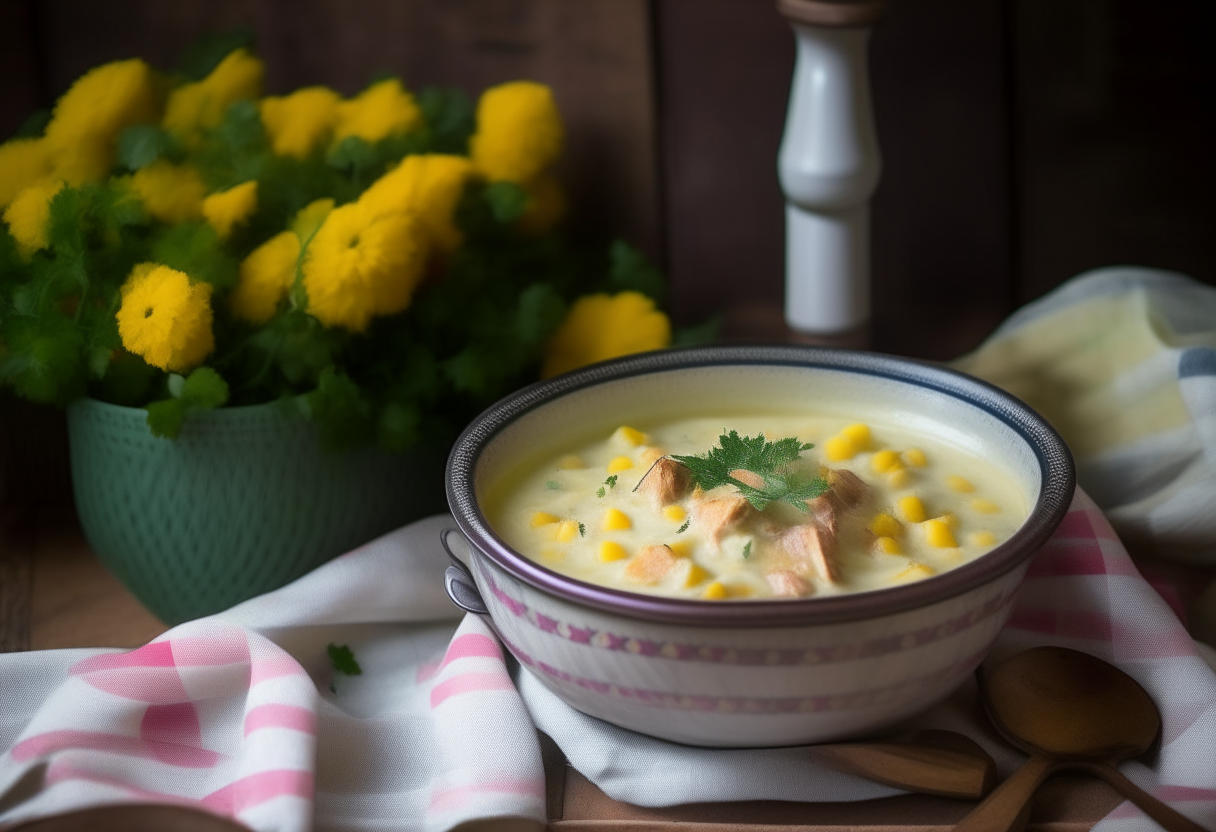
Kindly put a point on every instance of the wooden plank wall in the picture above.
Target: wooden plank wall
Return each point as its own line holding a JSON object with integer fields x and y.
{"x": 1024, "y": 141}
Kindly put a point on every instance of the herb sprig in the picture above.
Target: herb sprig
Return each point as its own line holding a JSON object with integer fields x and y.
{"x": 768, "y": 460}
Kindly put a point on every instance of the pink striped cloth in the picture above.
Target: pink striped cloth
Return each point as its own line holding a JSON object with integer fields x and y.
{"x": 241, "y": 714}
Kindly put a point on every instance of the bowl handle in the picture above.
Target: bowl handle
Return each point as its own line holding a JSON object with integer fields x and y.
{"x": 459, "y": 581}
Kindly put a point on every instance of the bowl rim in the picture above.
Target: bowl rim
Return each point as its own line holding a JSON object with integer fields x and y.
{"x": 1057, "y": 485}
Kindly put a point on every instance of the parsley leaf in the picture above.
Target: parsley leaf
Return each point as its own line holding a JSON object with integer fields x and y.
{"x": 343, "y": 660}
{"x": 582, "y": 530}
{"x": 768, "y": 460}
{"x": 747, "y": 550}
{"x": 684, "y": 528}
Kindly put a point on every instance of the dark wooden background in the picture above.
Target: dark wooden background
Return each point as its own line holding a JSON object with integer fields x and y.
{"x": 1024, "y": 141}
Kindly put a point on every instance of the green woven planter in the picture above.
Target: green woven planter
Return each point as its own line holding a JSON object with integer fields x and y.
{"x": 243, "y": 502}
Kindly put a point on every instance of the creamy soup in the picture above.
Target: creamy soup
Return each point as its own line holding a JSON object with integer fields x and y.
{"x": 866, "y": 506}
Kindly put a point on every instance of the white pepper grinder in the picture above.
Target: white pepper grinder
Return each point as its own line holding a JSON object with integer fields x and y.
{"x": 828, "y": 166}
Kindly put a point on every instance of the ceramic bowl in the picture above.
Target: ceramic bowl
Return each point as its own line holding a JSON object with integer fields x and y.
{"x": 761, "y": 672}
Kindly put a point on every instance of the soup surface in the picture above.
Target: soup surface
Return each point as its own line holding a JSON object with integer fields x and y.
{"x": 779, "y": 506}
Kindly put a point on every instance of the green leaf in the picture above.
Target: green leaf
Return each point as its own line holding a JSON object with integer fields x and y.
{"x": 194, "y": 248}
{"x": 34, "y": 125}
{"x": 342, "y": 658}
{"x": 342, "y": 415}
{"x": 629, "y": 270}
{"x": 205, "y": 54}
{"x": 539, "y": 313}
{"x": 507, "y": 201}
{"x": 142, "y": 144}
{"x": 127, "y": 380}
{"x": 399, "y": 426}
{"x": 698, "y": 335}
{"x": 450, "y": 118}
{"x": 553, "y": 485}
{"x": 204, "y": 389}
{"x": 747, "y": 550}
{"x": 684, "y": 527}
{"x": 768, "y": 460}
{"x": 165, "y": 418}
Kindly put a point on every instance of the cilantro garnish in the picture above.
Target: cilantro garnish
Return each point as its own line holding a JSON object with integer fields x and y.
{"x": 610, "y": 484}
{"x": 343, "y": 660}
{"x": 747, "y": 550}
{"x": 684, "y": 528}
{"x": 768, "y": 460}
{"x": 582, "y": 530}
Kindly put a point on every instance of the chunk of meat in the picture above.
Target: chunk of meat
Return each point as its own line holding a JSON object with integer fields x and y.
{"x": 665, "y": 483}
{"x": 747, "y": 477}
{"x": 651, "y": 564}
{"x": 722, "y": 515}
{"x": 823, "y": 508}
{"x": 788, "y": 584}
{"x": 848, "y": 489}
{"x": 813, "y": 551}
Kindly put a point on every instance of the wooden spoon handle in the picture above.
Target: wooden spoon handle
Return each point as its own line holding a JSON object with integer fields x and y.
{"x": 917, "y": 768}
{"x": 1008, "y": 807}
{"x": 1168, "y": 817}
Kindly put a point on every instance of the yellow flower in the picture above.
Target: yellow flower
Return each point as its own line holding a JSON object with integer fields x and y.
{"x": 309, "y": 218}
{"x": 384, "y": 109}
{"x": 28, "y": 213}
{"x": 519, "y": 132}
{"x": 599, "y": 327}
{"x": 165, "y": 318}
{"x": 361, "y": 264}
{"x": 299, "y": 123}
{"x": 427, "y": 186}
{"x": 226, "y": 209}
{"x": 88, "y": 117}
{"x": 22, "y": 163}
{"x": 202, "y": 104}
{"x": 266, "y": 275}
{"x": 546, "y": 205}
{"x": 171, "y": 193}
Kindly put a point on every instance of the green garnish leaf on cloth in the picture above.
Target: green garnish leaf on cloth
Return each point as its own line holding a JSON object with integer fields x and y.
{"x": 343, "y": 660}
{"x": 770, "y": 461}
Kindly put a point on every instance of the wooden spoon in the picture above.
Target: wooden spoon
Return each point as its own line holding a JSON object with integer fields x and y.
{"x": 936, "y": 762}
{"x": 1067, "y": 709}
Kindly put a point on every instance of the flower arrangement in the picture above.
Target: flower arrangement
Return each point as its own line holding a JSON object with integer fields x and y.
{"x": 387, "y": 263}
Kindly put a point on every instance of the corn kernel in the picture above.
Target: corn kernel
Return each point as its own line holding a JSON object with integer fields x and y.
{"x": 610, "y": 550}
{"x": 916, "y": 572}
{"x": 888, "y": 546}
{"x": 982, "y": 538}
{"x": 960, "y": 484}
{"x": 884, "y": 525}
{"x": 629, "y": 436}
{"x": 859, "y": 435}
{"x": 696, "y": 574}
{"x": 839, "y": 448}
{"x": 915, "y": 457}
{"x": 681, "y": 549}
{"x": 542, "y": 518}
{"x": 570, "y": 463}
{"x": 652, "y": 455}
{"x": 912, "y": 509}
{"x": 565, "y": 531}
{"x": 674, "y": 513}
{"x": 884, "y": 461}
{"x": 938, "y": 534}
{"x": 620, "y": 463}
{"x": 899, "y": 478}
{"x": 715, "y": 591}
{"x": 616, "y": 520}
{"x": 984, "y": 506}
